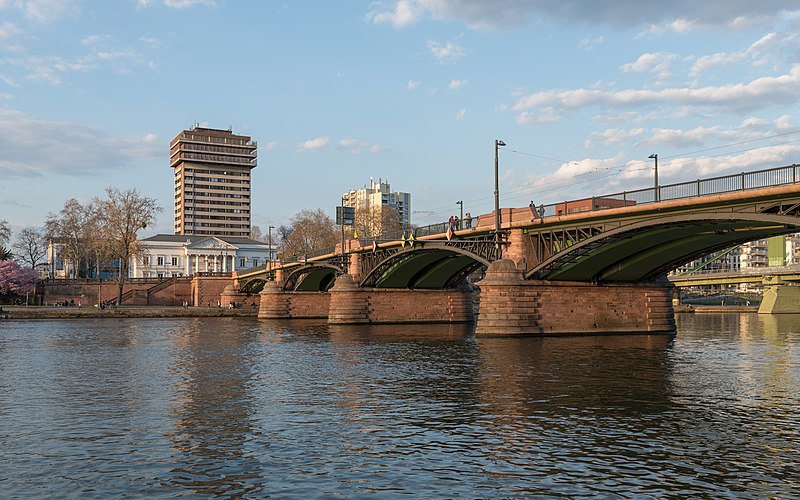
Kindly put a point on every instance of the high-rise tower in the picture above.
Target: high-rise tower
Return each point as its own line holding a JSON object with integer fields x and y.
{"x": 212, "y": 182}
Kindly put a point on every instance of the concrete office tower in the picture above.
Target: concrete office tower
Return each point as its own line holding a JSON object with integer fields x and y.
{"x": 212, "y": 182}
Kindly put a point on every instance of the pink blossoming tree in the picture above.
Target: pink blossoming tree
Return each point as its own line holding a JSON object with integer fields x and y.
{"x": 16, "y": 279}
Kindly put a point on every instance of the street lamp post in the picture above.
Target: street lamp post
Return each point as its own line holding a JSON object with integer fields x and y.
{"x": 656, "y": 196}
{"x": 461, "y": 211}
{"x": 497, "y": 144}
{"x": 269, "y": 240}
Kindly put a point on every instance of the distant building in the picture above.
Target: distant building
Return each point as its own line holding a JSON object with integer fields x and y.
{"x": 168, "y": 255}
{"x": 377, "y": 198}
{"x": 212, "y": 182}
{"x": 591, "y": 204}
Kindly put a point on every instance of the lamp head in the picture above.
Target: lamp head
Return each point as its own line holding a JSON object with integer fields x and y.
{"x": 653, "y": 156}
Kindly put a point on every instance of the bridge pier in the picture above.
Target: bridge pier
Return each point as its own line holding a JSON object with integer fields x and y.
{"x": 511, "y": 305}
{"x": 779, "y": 298}
{"x": 349, "y": 303}
{"x": 276, "y": 303}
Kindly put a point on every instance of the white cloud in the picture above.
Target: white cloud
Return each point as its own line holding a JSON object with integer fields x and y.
{"x": 413, "y": 84}
{"x": 354, "y": 146}
{"x": 95, "y": 39}
{"x": 50, "y": 69}
{"x": 446, "y": 53}
{"x": 613, "y": 136}
{"x": 177, "y": 4}
{"x": 656, "y": 63}
{"x": 150, "y": 41}
{"x": 10, "y": 34}
{"x": 677, "y": 16}
{"x": 44, "y": 11}
{"x": 589, "y": 44}
{"x": 405, "y": 12}
{"x": 461, "y": 113}
{"x": 314, "y": 144}
{"x": 456, "y": 84}
{"x": 272, "y": 145}
{"x": 35, "y": 147}
{"x": 759, "y": 93}
{"x": 715, "y": 60}
{"x": 548, "y": 116}
{"x": 357, "y": 146}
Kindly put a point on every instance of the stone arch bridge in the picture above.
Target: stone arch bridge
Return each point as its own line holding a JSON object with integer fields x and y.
{"x": 591, "y": 265}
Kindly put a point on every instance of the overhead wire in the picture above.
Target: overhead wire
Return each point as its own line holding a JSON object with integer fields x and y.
{"x": 610, "y": 171}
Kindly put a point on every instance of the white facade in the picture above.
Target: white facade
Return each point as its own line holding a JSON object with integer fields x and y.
{"x": 167, "y": 255}
{"x": 377, "y": 196}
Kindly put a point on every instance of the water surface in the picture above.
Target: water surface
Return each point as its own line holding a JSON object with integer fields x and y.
{"x": 254, "y": 408}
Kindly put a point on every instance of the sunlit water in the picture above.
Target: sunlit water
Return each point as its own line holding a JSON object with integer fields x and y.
{"x": 242, "y": 407}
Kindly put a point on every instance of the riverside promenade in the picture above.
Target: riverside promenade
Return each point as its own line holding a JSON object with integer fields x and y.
{"x": 49, "y": 312}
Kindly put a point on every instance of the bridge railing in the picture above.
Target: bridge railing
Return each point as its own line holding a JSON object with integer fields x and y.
{"x": 744, "y": 181}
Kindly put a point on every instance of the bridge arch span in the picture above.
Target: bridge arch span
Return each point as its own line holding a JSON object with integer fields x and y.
{"x": 431, "y": 267}
{"x": 312, "y": 277}
{"x": 646, "y": 250}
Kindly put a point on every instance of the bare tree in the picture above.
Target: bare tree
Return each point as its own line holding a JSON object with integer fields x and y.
{"x": 31, "y": 245}
{"x": 121, "y": 215}
{"x": 70, "y": 228}
{"x": 383, "y": 222}
{"x": 310, "y": 231}
{"x": 5, "y": 232}
{"x": 255, "y": 233}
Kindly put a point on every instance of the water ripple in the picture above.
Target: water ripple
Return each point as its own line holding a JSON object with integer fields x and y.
{"x": 245, "y": 408}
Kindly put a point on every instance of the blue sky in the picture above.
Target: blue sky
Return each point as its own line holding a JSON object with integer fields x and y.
{"x": 413, "y": 91}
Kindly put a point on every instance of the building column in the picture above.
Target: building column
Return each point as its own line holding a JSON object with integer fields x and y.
{"x": 188, "y": 263}
{"x": 233, "y": 263}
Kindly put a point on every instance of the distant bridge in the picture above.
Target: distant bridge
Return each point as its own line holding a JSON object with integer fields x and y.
{"x": 759, "y": 275}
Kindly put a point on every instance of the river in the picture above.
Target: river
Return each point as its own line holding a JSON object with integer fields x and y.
{"x": 240, "y": 407}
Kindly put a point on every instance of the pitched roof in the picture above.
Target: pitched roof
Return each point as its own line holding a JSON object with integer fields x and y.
{"x": 182, "y": 238}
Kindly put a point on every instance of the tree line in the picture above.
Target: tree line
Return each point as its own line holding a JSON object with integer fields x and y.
{"x": 104, "y": 229}
{"x": 312, "y": 230}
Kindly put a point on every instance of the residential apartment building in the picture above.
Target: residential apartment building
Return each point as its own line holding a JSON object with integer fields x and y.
{"x": 375, "y": 199}
{"x": 211, "y": 170}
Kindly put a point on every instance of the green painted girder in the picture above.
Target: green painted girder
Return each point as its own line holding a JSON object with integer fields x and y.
{"x": 403, "y": 273}
{"x": 637, "y": 256}
{"x": 316, "y": 280}
{"x": 439, "y": 273}
{"x": 640, "y": 266}
{"x": 587, "y": 267}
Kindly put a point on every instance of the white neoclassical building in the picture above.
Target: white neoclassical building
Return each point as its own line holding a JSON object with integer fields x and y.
{"x": 167, "y": 255}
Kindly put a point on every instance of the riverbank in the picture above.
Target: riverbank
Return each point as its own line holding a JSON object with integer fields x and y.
{"x": 49, "y": 312}
{"x": 715, "y": 309}
{"x": 46, "y": 312}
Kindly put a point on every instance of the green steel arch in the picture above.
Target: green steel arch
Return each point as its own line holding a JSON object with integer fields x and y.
{"x": 647, "y": 250}
{"x": 253, "y": 286}
{"x": 432, "y": 267}
{"x": 312, "y": 277}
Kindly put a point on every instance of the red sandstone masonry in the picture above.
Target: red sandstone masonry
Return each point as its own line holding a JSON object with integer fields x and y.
{"x": 274, "y": 302}
{"x": 349, "y": 303}
{"x": 419, "y": 306}
{"x": 207, "y": 290}
{"x": 511, "y": 305}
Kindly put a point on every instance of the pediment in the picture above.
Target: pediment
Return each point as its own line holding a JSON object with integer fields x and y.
{"x": 211, "y": 243}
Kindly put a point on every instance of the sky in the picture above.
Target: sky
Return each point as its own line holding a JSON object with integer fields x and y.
{"x": 415, "y": 92}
